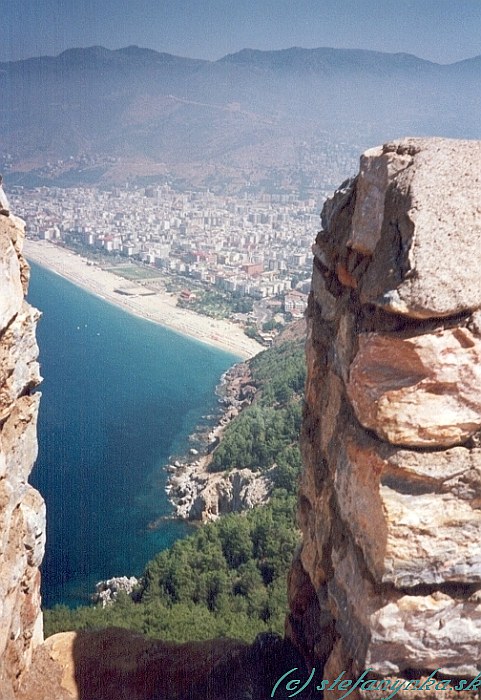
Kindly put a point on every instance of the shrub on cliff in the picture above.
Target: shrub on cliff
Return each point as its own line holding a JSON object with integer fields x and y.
{"x": 266, "y": 433}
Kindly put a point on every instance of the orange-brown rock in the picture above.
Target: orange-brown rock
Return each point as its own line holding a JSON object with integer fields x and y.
{"x": 379, "y": 168}
{"x": 391, "y": 631}
{"x": 22, "y": 511}
{"x": 11, "y": 298}
{"x": 416, "y": 517}
{"x": 390, "y": 497}
{"x": 419, "y": 391}
{"x": 339, "y": 669}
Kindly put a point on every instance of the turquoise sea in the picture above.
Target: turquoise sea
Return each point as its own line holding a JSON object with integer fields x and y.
{"x": 119, "y": 396}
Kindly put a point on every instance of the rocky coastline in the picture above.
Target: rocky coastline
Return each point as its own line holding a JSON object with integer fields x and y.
{"x": 196, "y": 494}
{"x": 199, "y": 495}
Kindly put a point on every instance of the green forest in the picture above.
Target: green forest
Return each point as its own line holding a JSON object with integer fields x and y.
{"x": 229, "y": 577}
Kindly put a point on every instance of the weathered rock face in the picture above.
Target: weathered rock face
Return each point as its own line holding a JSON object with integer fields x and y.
{"x": 389, "y": 572}
{"x": 205, "y": 496}
{"x": 22, "y": 511}
{"x": 400, "y": 390}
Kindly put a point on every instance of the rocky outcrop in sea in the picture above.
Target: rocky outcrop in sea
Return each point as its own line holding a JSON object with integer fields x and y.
{"x": 106, "y": 592}
{"x": 195, "y": 492}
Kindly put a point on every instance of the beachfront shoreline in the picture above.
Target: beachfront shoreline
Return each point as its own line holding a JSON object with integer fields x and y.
{"x": 158, "y": 308}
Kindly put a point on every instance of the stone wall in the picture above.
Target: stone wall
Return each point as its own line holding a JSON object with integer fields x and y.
{"x": 389, "y": 572}
{"x": 22, "y": 511}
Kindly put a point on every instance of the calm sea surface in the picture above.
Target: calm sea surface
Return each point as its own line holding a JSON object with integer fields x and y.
{"x": 119, "y": 396}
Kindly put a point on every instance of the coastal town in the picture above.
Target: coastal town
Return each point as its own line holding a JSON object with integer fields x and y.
{"x": 246, "y": 259}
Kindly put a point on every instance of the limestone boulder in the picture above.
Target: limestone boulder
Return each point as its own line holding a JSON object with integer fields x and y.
{"x": 416, "y": 517}
{"x": 339, "y": 664}
{"x": 421, "y": 391}
{"x": 379, "y": 168}
{"x": 390, "y": 632}
{"x": 418, "y": 216}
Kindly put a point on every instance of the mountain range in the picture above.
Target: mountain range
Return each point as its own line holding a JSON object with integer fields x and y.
{"x": 293, "y": 116}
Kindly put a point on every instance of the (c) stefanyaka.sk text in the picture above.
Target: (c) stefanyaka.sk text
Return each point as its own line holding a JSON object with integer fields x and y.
{"x": 297, "y": 686}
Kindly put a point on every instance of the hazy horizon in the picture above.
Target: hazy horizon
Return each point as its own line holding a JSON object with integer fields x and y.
{"x": 248, "y": 48}
{"x": 434, "y": 30}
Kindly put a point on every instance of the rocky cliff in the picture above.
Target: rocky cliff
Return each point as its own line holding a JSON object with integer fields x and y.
{"x": 388, "y": 576}
{"x": 194, "y": 491}
{"x": 389, "y": 573}
{"x": 22, "y": 511}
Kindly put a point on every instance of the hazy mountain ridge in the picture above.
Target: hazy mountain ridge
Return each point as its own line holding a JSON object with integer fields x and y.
{"x": 327, "y": 59}
{"x": 239, "y": 116}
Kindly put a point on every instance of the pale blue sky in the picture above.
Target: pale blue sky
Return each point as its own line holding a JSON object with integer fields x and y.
{"x": 439, "y": 30}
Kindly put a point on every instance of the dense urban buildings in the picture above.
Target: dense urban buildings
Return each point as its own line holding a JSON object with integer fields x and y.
{"x": 247, "y": 247}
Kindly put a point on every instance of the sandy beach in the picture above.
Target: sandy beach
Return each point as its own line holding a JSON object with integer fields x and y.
{"x": 159, "y": 308}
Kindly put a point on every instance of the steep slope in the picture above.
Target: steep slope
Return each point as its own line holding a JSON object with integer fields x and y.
{"x": 22, "y": 511}
{"x": 388, "y": 577}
